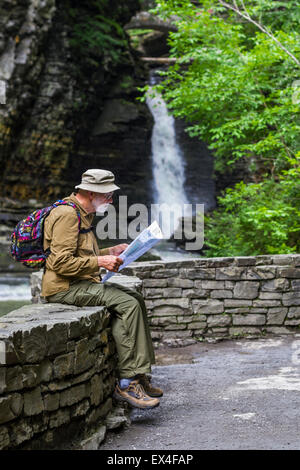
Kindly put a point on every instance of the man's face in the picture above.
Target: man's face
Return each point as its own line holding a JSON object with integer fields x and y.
{"x": 101, "y": 201}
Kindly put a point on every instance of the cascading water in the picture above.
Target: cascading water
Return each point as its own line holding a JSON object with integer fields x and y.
{"x": 168, "y": 168}
{"x": 14, "y": 291}
{"x": 14, "y": 287}
{"x": 168, "y": 174}
{"x": 167, "y": 165}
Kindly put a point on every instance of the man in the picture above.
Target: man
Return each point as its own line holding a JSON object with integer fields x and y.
{"x": 72, "y": 276}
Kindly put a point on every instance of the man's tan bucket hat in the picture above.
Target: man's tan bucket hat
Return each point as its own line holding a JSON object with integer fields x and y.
{"x": 99, "y": 181}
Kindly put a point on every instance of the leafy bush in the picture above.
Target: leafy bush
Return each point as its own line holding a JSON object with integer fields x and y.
{"x": 255, "y": 219}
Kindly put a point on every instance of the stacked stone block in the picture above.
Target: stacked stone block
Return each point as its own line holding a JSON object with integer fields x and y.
{"x": 215, "y": 298}
{"x": 57, "y": 374}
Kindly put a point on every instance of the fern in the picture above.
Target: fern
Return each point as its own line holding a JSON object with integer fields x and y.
{"x": 100, "y": 36}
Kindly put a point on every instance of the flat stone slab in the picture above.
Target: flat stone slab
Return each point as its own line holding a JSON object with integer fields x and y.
{"x": 132, "y": 282}
{"x": 33, "y": 332}
{"x": 42, "y": 313}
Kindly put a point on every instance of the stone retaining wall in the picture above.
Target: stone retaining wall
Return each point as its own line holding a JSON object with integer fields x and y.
{"x": 57, "y": 377}
{"x": 214, "y": 298}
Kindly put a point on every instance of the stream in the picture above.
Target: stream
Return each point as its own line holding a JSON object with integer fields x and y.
{"x": 14, "y": 291}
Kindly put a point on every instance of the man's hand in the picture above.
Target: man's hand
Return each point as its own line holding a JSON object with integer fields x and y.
{"x": 112, "y": 263}
{"x": 117, "y": 249}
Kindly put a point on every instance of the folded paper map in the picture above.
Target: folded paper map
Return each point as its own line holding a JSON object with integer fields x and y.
{"x": 143, "y": 242}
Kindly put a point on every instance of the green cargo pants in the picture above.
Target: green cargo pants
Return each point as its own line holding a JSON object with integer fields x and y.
{"x": 129, "y": 321}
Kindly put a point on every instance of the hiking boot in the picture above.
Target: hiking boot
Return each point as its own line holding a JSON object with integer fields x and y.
{"x": 145, "y": 380}
{"x": 135, "y": 395}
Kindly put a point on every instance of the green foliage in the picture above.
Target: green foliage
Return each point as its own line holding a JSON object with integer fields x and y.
{"x": 255, "y": 219}
{"x": 96, "y": 33}
{"x": 236, "y": 87}
{"x": 98, "y": 36}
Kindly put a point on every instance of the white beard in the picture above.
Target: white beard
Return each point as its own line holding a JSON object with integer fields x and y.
{"x": 102, "y": 208}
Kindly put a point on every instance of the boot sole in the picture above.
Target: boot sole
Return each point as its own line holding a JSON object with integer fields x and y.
{"x": 155, "y": 396}
{"x": 134, "y": 405}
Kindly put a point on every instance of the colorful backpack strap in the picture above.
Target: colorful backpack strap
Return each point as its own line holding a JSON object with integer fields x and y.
{"x": 61, "y": 202}
{"x": 86, "y": 230}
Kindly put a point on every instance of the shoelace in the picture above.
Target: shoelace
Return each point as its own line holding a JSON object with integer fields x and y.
{"x": 137, "y": 389}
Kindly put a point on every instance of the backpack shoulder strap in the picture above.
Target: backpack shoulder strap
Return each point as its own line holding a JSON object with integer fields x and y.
{"x": 86, "y": 230}
{"x": 62, "y": 202}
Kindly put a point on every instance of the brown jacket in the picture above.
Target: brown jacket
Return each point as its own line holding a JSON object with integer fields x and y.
{"x": 73, "y": 255}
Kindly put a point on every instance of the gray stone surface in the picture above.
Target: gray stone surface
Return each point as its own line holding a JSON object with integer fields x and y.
{"x": 221, "y": 294}
{"x": 230, "y": 273}
{"x": 93, "y": 442}
{"x": 279, "y": 284}
{"x": 246, "y": 290}
{"x": 117, "y": 418}
{"x": 276, "y": 315}
{"x": 208, "y": 306}
{"x": 294, "y": 312}
{"x": 33, "y": 402}
{"x": 291, "y": 298}
{"x": 44, "y": 387}
{"x": 251, "y": 319}
{"x": 233, "y": 395}
{"x": 34, "y": 332}
{"x": 10, "y": 407}
{"x": 218, "y": 320}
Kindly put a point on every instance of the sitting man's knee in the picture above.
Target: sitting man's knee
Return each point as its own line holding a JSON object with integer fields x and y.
{"x": 135, "y": 305}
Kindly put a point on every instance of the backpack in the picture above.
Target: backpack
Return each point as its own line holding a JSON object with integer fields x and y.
{"x": 27, "y": 237}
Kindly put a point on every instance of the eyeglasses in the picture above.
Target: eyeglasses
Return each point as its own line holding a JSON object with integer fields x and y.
{"x": 108, "y": 196}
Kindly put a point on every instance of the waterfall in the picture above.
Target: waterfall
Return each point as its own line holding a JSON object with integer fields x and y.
{"x": 167, "y": 165}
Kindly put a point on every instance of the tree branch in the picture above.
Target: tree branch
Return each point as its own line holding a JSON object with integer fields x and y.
{"x": 160, "y": 60}
{"x": 247, "y": 17}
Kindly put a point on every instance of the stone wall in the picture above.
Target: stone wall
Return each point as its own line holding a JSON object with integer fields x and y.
{"x": 215, "y": 298}
{"x": 57, "y": 377}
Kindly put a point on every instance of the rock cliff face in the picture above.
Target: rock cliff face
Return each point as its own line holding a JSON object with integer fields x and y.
{"x": 69, "y": 80}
